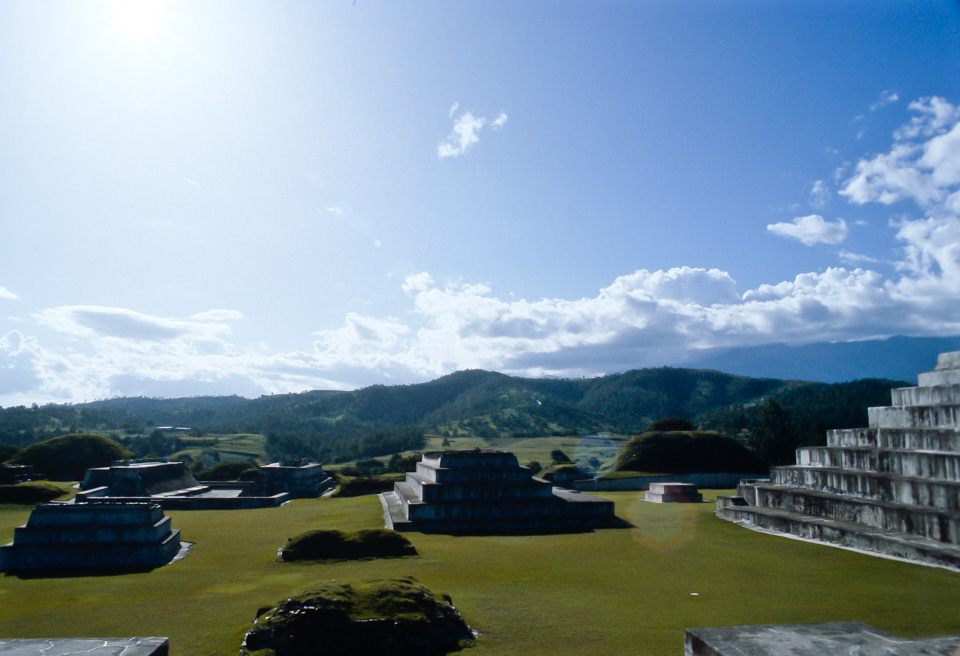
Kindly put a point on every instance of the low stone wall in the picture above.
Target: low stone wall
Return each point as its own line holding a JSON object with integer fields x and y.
{"x": 206, "y": 503}
{"x": 720, "y": 480}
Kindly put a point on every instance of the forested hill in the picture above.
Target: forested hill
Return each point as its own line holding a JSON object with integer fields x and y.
{"x": 473, "y": 402}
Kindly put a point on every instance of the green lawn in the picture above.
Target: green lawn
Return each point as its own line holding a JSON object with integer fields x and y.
{"x": 613, "y": 591}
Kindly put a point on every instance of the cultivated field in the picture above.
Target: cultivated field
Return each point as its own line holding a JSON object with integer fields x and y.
{"x": 613, "y": 591}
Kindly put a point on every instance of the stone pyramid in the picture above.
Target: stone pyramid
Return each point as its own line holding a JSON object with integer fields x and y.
{"x": 892, "y": 488}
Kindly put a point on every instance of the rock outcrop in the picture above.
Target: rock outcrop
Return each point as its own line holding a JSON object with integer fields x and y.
{"x": 387, "y": 616}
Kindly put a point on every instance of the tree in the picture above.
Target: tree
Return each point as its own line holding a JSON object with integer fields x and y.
{"x": 772, "y": 434}
{"x": 559, "y": 457}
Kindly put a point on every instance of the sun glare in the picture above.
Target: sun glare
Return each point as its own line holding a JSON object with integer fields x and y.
{"x": 138, "y": 19}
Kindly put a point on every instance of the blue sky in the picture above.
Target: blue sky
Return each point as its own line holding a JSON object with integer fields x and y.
{"x": 253, "y": 197}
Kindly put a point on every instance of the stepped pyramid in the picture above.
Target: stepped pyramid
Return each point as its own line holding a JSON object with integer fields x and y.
{"x": 486, "y": 491}
{"x": 892, "y": 488}
{"x": 95, "y": 534}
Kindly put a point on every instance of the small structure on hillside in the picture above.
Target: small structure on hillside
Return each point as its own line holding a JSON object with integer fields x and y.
{"x": 13, "y": 474}
{"x": 486, "y": 491}
{"x": 892, "y": 488}
{"x": 674, "y": 493}
{"x": 65, "y": 535}
{"x": 297, "y": 477}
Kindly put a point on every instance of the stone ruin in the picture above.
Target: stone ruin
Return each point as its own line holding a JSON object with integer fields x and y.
{"x": 297, "y": 477}
{"x": 66, "y": 535}
{"x": 174, "y": 488}
{"x": 85, "y": 647}
{"x": 673, "y": 493}
{"x": 824, "y": 639}
{"x": 892, "y": 488}
{"x": 486, "y": 491}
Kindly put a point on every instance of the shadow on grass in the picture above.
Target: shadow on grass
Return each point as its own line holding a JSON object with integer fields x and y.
{"x": 617, "y": 522}
{"x": 78, "y": 572}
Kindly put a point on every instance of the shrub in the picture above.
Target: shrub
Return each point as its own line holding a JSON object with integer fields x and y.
{"x": 559, "y": 457}
{"x": 333, "y": 544}
{"x": 227, "y": 471}
{"x": 352, "y": 487}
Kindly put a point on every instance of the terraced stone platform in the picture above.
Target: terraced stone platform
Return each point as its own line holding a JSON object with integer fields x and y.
{"x": 486, "y": 491}
{"x": 64, "y": 535}
{"x": 892, "y": 488}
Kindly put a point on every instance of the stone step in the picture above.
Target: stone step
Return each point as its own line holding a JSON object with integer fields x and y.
{"x": 926, "y": 395}
{"x": 940, "y": 525}
{"x": 916, "y": 416}
{"x": 935, "y": 378}
{"x": 910, "y": 490}
{"x": 928, "y": 439}
{"x": 849, "y": 535}
{"x": 673, "y": 493}
{"x": 935, "y": 465}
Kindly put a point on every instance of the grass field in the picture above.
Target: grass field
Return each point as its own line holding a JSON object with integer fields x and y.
{"x": 612, "y": 591}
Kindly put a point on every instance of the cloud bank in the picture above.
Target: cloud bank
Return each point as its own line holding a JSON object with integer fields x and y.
{"x": 643, "y": 318}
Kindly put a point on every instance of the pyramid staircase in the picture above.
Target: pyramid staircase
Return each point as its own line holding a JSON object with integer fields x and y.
{"x": 892, "y": 488}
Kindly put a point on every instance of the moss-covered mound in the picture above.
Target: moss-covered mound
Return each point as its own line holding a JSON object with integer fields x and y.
{"x": 333, "y": 544}
{"x": 67, "y": 458}
{"x": 29, "y": 493}
{"x": 687, "y": 452}
{"x": 226, "y": 471}
{"x": 563, "y": 473}
{"x": 386, "y": 616}
{"x": 353, "y": 486}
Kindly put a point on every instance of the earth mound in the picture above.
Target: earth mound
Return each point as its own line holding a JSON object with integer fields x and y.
{"x": 67, "y": 458}
{"x": 687, "y": 452}
{"x": 384, "y": 616}
{"x": 340, "y": 545}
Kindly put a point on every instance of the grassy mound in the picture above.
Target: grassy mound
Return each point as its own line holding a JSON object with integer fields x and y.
{"x": 29, "y": 493}
{"x": 386, "y": 616}
{"x": 563, "y": 473}
{"x": 354, "y": 486}
{"x": 67, "y": 458}
{"x": 333, "y": 544}
{"x": 226, "y": 471}
{"x": 687, "y": 452}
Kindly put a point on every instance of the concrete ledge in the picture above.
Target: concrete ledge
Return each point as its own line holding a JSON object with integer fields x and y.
{"x": 86, "y": 647}
{"x": 827, "y": 639}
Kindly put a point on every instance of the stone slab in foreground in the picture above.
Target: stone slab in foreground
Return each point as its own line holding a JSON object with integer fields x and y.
{"x": 827, "y": 639}
{"x": 86, "y": 647}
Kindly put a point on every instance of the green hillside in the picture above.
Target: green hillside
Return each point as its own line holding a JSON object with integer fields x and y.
{"x": 380, "y": 420}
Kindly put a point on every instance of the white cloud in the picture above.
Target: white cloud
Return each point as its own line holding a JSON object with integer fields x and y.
{"x": 218, "y": 315}
{"x": 193, "y": 183}
{"x": 856, "y": 258}
{"x": 819, "y": 194}
{"x": 643, "y": 318}
{"x": 812, "y": 230}
{"x": 336, "y": 211}
{"x": 923, "y": 164}
{"x": 453, "y": 109}
{"x": 417, "y": 282}
{"x": 8, "y": 295}
{"x": 465, "y": 132}
{"x": 886, "y": 98}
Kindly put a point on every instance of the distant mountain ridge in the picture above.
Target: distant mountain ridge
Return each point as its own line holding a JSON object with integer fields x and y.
{"x": 895, "y": 358}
